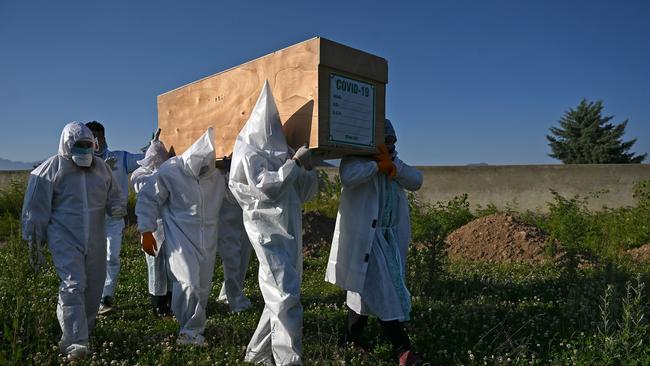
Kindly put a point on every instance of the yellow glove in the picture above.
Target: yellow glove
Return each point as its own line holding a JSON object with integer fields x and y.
{"x": 148, "y": 244}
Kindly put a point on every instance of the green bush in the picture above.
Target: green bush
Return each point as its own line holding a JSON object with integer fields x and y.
{"x": 430, "y": 225}
{"x": 11, "y": 204}
{"x": 329, "y": 193}
{"x": 602, "y": 233}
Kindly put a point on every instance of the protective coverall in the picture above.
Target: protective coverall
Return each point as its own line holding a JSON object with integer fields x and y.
{"x": 124, "y": 164}
{"x": 187, "y": 195}
{"x": 158, "y": 279}
{"x": 235, "y": 252}
{"x": 65, "y": 206}
{"x": 270, "y": 187}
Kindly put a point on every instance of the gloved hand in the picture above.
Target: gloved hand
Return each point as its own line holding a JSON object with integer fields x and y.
{"x": 149, "y": 243}
{"x": 303, "y": 156}
{"x": 111, "y": 162}
{"x": 385, "y": 161}
{"x": 384, "y": 154}
{"x": 156, "y": 136}
{"x": 388, "y": 168}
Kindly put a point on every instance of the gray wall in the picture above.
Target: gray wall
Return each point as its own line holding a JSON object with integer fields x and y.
{"x": 523, "y": 187}
{"x": 527, "y": 187}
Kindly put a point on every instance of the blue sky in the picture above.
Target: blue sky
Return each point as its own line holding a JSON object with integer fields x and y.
{"x": 469, "y": 81}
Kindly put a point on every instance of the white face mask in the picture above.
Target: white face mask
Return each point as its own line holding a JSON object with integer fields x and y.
{"x": 83, "y": 160}
{"x": 82, "y": 156}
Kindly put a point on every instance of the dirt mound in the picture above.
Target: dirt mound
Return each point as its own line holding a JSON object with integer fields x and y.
{"x": 640, "y": 254}
{"x": 317, "y": 232}
{"x": 498, "y": 238}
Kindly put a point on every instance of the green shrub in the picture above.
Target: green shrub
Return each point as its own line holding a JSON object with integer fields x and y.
{"x": 602, "y": 233}
{"x": 11, "y": 204}
{"x": 622, "y": 334}
{"x": 430, "y": 225}
{"x": 329, "y": 193}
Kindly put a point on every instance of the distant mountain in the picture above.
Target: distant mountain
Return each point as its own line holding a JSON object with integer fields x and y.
{"x": 15, "y": 165}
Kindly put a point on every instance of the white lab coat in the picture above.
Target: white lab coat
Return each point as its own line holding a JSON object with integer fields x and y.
{"x": 65, "y": 206}
{"x": 187, "y": 194}
{"x": 270, "y": 188}
{"x": 357, "y": 236}
{"x": 159, "y": 281}
{"x": 235, "y": 252}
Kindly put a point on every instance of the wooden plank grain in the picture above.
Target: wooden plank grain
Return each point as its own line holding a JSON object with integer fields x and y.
{"x": 300, "y": 87}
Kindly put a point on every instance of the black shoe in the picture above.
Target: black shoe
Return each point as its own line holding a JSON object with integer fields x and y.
{"x": 106, "y": 305}
{"x": 158, "y": 304}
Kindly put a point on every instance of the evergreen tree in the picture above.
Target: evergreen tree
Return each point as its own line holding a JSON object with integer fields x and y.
{"x": 586, "y": 137}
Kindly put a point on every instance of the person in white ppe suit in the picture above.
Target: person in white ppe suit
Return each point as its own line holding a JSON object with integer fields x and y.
{"x": 187, "y": 195}
{"x": 159, "y": 281}
{"x": 371, "y": 238}
{"x": 122, "y": 164}
{"x": 270, "y": 184}
{"x": 235, "y": 251}
{"x": 67, "y": 198}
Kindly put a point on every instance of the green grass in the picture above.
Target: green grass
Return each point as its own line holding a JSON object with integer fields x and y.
{"x": 463, "y": 313}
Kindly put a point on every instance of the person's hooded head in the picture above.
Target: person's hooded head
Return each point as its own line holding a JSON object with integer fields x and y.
{"x": 390, "y": 137}
{"x": 155, "y": 155}
{"x": 198, "y": 160}
{"x": 77, "y": 144}
{"x": 262, "y": 137}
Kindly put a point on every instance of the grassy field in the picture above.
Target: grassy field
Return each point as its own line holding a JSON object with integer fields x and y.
{"x": 463, "y": 313}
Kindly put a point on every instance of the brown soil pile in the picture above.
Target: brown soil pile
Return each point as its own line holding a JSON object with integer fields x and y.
{"x": 317, "y": 232}
{"x": 498, "y": 238}
{"x": 640, "y": 254}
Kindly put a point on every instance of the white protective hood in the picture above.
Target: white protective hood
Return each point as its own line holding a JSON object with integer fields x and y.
{"x": 199, "y": 159}
{"x": 73, "y": 132}
{"x": 154, "y": 157}
{"x": 262, "y": 136}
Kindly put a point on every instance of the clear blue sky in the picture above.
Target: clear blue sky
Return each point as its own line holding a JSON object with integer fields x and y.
{"x": 469, "y": 81}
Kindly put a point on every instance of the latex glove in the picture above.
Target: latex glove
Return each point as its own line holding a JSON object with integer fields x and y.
{"x": 303, "y": 156}
{"x": 387, "y": 167}
{"x": 111, "y": 162}
{"x": 385, "y": 161}
{"x": 148, "y": 243}
{"x": 384, "y": 154}
{"x": 156, "y": 136}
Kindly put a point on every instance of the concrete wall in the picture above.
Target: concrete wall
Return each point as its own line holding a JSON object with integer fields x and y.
{"x": 527, "y": 187}
{"x": 523, "y": 187}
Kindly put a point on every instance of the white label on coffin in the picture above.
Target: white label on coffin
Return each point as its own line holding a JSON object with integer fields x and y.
{"x": 352, "y": 111}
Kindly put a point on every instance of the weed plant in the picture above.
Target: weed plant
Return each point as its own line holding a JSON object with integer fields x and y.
{"x": 464, "y": 313}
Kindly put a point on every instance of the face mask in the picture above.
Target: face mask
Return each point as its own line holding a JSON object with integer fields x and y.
{"x": 82, "y": 156}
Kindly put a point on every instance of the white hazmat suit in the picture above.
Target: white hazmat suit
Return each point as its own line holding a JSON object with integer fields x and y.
{"x": 270, "y": 187}
{"x": 158, "y": 278}
{"x": 65, "y": 206}
{"x": 235, "y": 252}
{"x": 187, "y": 195}
{"x": 124, "y": 164}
